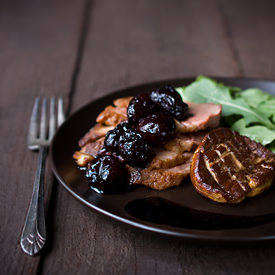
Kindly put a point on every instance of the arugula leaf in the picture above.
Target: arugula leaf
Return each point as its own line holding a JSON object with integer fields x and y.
{"x": 267, "y": 108}
{"x": 205, "y": 90}
{"x": 260, "y": 134}
{"x": 272, "y": 147}
{"x": 255, "y": 96}
{"x": 260, "y": 101}
{"x": 250, "y": 112}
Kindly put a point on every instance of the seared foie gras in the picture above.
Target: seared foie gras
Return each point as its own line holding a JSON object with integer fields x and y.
{"x": 227, "y": 167}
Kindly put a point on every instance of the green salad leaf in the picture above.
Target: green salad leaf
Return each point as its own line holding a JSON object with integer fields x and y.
{"x": 250, "y": 112}
{"x": 254, "y": 97}
{"x": 205, "y": 90}
{"x": 260, "y": 101}
{"x": 258, "y": 133}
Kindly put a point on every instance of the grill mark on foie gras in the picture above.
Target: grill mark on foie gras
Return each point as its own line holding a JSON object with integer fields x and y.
{"x": 238, "y": 165}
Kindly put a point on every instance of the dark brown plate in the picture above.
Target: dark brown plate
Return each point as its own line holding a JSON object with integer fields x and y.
{"x": 179, "y": 211}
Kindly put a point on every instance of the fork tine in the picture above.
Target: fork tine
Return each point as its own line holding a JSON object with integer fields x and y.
{"x": 61, "y": 114}
{"x": 43, "y": 122}
{"x": 34, "y": 119}
{"x": 52, "y": 125}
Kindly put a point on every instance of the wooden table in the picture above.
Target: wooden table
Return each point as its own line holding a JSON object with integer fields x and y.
{"x": 85, "y": 49}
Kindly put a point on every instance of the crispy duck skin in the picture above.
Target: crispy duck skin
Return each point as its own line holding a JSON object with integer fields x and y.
{"x": 161, "y": 178}
{"x": 113, "y": 115}
{"x": 185, "y": 142}
{"x": 227, "y": 167}
{"x": 96, "y": 132}
{"x": 122, "y": 101}
{"x": 88, "y": 152}
{"x": 167, "y": 169}
{"x": 107, "y": 120}
{"x": 82, "y": 159}
{"x": 167, "y": 159}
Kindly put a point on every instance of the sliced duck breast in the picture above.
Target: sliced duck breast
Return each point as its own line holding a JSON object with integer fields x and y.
{"x": 202, "y": 116}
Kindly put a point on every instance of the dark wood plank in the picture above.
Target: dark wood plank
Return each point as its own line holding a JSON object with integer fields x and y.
{"x": 38, "y": 50}
{"x": 130, "y": 43}
{"x": 152, "y": 40}
{"x": 251, "y": 28}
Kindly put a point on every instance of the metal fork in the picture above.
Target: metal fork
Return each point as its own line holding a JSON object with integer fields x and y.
{"x": 33, "y": 235}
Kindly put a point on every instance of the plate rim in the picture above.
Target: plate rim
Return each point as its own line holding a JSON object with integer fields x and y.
{"x": 143, "y": 226}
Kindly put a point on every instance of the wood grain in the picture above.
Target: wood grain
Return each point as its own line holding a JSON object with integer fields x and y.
{"x": 151, "y": 40}
{"x": 251, "y": 29}
{"x": 37, "y": 55}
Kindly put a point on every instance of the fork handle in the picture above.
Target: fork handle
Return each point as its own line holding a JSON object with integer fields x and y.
{"x": 33, "y": 235}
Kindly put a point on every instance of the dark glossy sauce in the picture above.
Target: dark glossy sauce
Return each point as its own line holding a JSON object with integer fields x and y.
{"x": 161, "y": 211}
